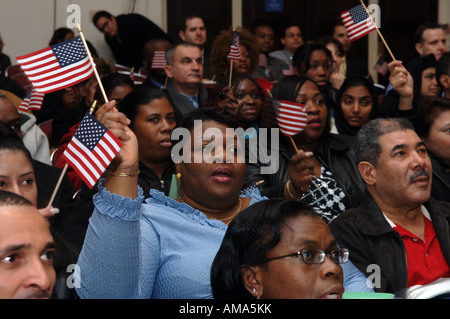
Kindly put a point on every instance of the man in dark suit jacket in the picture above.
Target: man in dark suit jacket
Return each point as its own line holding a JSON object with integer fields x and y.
{"x": 126, "y": 35}
{"x": 184, "y": 70}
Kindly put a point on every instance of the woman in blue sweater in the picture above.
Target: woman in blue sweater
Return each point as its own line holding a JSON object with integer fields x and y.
{"x": 163, "y": 248}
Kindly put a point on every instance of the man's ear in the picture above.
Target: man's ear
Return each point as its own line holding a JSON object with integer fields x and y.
{"x": 250, "y": 278}
{"x": 168, "y": 70}
{"x": 368, "y": 172}
{"x": 419, "y": 48}
{"x": 444, "y": 80}
{"x": 182, "y": 35}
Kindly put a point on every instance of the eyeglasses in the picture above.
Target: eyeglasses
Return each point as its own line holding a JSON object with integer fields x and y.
{"x": 317, "y": 256}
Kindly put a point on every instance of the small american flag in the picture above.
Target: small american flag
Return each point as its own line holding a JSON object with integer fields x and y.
{"x": 235, "y": 49}
{"x": 32, "y": 101}
{"x": 291, "y": 117}
{"x": 381, "y": 67}
{"x": 159, "y": 59}
{"x": 357, "y": 22}
{"x": 137, "y": 78}
{"x": 58, "y": 66}
{"x": 91, "y": 150}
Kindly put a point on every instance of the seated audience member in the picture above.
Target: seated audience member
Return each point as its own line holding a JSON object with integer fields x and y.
{"x": 430, "y": 38}
{"x": 184, "y": 71}
{"x": 116, "y": 87}
{"x": 9, "y": 85}
{"x": 220, "y": 64}
{"x": 152, "y": 121}
{"x": 269, "y": 68}
{"x": 164, "y": 247}
{"x": 315, "y": 62}
{"x": 433, "y": 126}
{"x": 443, "y": 74}
{"x": 281, "y": 249}
{"x": 323, "y": 172}
{"x": 193, "y": 30}
{"x": 422, "y": 77}
{"x": 221, "y": 99}
{"x": 24, "y": 124}
{"x": 397, "y": 226}
{"x": 358, "y": 105}
{"x": 28, "y": 250}
{"x": 61, "y": 35}
{"x": 155, "y": 77}
{"x": 252, "y": 101}
{"x": 47, "y": 178}
{"x": 351, "y": 65}
{"x": 18, "y": 175}
{"x": 337, "y": 52}
{"x": 291, "y": 39}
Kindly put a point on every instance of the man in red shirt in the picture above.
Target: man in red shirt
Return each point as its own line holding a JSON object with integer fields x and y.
{"x": 397, "y": 226}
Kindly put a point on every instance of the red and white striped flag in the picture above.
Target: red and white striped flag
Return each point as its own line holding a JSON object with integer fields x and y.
{"x": 357, "y": 22}
{"x": 159, "y": 59}
{"x": 91, "y": 150}
{"x": 292, "y": 117}
{"x": 235, "y": 48}
{"x": 137, "y": 78}
{"x": 381, "y": 67}
{"x": 58, "y": 66}
{"x": 32, "y": 101}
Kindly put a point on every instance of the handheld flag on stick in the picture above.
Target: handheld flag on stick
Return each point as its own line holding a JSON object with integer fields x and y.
{"x": 378, "y": 30}
{"x": 357, "y": 22}
{"x": 91, "y": 150}
{"x": 58, "y": 66}
{"x": 291, "y": 117}
{"x": 235, "y": 48}
{"x": 381, "y": 67}
{"x": 92, "y": 110}
{"x": 32, "y": 101}
{"x": 235, "y": 52}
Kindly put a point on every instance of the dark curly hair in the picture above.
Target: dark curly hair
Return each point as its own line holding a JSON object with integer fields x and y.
{"x": 221, "y": 47}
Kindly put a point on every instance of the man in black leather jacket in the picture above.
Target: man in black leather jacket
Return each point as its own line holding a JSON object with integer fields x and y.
{"x": 397, "y": 214}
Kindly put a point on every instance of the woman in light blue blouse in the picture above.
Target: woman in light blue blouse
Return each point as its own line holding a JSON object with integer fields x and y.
{"x": 163, "y": 248}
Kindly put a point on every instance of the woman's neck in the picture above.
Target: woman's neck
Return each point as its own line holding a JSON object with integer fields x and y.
{"x": 157, "y": 167}
{"x": 224, "y": 210}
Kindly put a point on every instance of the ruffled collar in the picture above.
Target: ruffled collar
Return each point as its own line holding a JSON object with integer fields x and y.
{"x": 159, "y": 198}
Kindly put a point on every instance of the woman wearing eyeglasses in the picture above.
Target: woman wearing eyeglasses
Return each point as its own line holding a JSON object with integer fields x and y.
{"x": 281, "y": 249}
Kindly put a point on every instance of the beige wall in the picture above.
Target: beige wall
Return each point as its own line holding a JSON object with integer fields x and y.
{"x": 27, "y": 25}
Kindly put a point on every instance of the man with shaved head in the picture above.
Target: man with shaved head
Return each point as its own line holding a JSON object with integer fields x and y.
{"x": 26, "y": 250}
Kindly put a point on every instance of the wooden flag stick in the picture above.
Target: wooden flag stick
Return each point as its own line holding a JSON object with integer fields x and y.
{"x": 93, "y": 64}
{"x": 378, "y": 30}
{"x": 91, "y": 110}
{"x": 231, "y": 72}
{"x": 57, "y": 185}
{"x": 290, "y": 137}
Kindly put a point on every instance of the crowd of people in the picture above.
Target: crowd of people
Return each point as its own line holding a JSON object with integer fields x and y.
{"x": 366, "y": 182}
